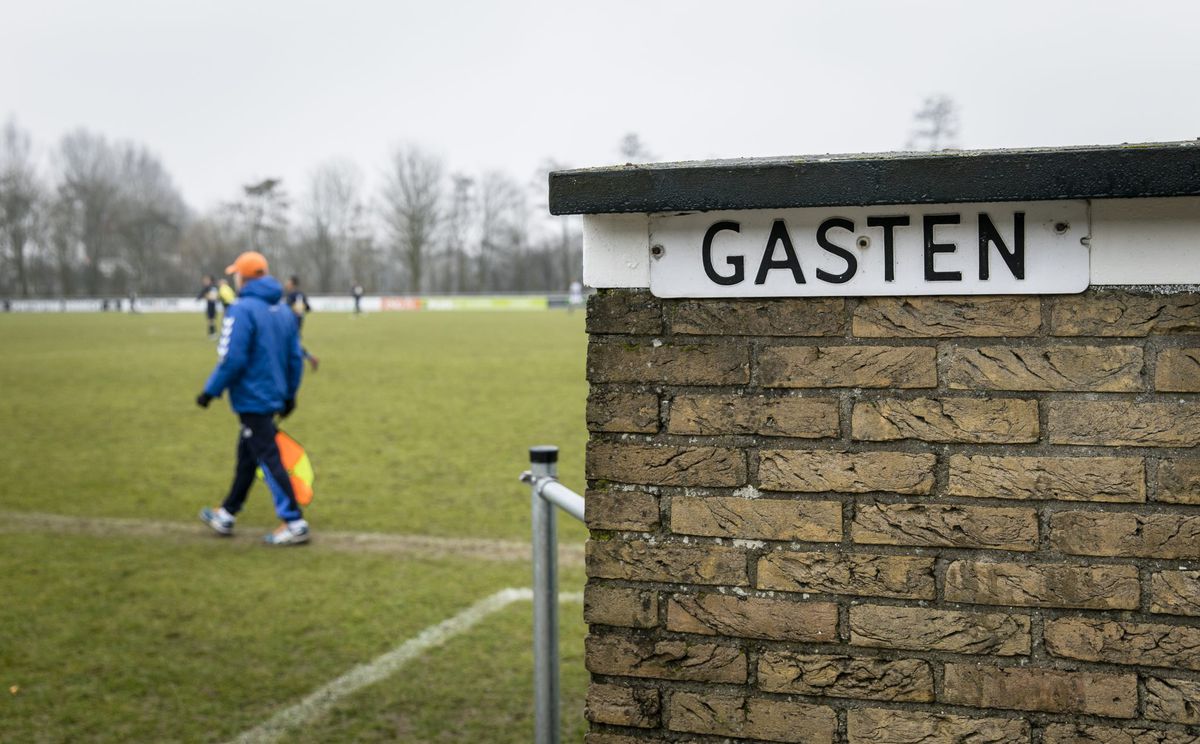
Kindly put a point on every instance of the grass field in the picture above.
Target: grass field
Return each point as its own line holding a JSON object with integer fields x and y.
{"x": 149, "y": 630}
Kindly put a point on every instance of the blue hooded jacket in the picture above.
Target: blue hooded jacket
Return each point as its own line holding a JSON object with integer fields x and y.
{"x": 260, "y": 358}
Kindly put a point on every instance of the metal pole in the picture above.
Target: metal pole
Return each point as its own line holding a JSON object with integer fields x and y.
{"x": 543, "y": 461}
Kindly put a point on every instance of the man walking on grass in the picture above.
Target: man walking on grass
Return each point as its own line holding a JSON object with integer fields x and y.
{"x": 260, "y": 362}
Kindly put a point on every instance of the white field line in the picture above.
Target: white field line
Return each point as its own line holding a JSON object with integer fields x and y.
{"x": 344, "y": 542}
{"x": 318, "y": 703}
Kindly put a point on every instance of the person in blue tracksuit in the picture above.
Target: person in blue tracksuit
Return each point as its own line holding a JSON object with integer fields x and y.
{"x": 261, "y": 364}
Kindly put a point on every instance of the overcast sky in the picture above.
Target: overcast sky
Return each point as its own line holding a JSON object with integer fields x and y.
{"x": 226, "y": 92}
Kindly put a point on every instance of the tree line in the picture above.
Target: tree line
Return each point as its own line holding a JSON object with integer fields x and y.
{"x": 104, "y": 217}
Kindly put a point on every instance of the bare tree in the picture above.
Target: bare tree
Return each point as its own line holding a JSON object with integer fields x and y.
{"x": 568, "y": 263}
{"x": 935, "y": 125}
{"x": 90, "y": 191}
{"x": 633, "y": 150}
{"x": 208, "y": 243}
{"x": 262, "y": 212}
{"x": 412, "y": 209}
{"x": 458, "y": 225}
{"x": 150, "y": 223}
{"x": 20, "y": 199}
{"x": 501, "y": 208}
{"x": 61, "y": 233}
{"x": 366, "y": 263}
{"x": 332, "y": 217}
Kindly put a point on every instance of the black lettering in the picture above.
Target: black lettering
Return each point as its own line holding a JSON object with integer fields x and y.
{"x": 931, "y": 248}
{"x": 779, "y": 234}
{"x": 850, "y": 259}
{"x": 737, "y": 262}
{"x": 889, "y": 242}
{"x": 1015, "y": 259}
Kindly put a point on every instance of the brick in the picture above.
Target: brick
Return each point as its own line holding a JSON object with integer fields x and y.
{"x": 967, "y": 420}
{"x": 1124, "y": 423}
{"x": 666, "y": 465}
{"x": 1173, "y": 700}
{"x": 787, "y": 416}
{"x": 1043, "y": 585}
{"x": 867, "y": 678}
{"x": 1175, "y": 592}
{"x": 847, "y": 573}
{"x": 668, "y": 364}
{"x": 1179, "y": 481}
{"x": 1110, "y": 369}
{"x": 1065, "y": 478}
{"x": 616, "y": 410}
{"x": 946, "y": 317}
{"x": 1079, "y": 733}
{"x": 757, "y": 519}
{"x": 880, "y": 726}
{"x": 1149, "y": 644}
{"x": 675, "y": 659}
{"x": 1124, "y": 314}
{"x": 1178, "y": 371}
{"x": 624, "y": 311}
{"x": 845, "y": 472}
{"x": 789, "y": 317}
{"x": 622, "y": 706}
{"x": 620, "y": 510}
{"x": 945, "y": 526}
{"x": 753, "y": 617}
{"x": 1050, "y": 690}
{"x": 751, "y": 718}
{"x": 639, "y": 560}
{"x": 604, "y": 604}
{"x": 848, "y": 366}
{"x": 1169, "y": 536}
{"x": 923, "y": 629}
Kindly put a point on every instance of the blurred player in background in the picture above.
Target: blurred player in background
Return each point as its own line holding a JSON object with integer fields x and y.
{"x": 210, "y": 294}
{"x": 298, "y": 302}
{"x": 226, "y": 294}
{"x": 574, "y": 295}
{"x": 357, "y": 291}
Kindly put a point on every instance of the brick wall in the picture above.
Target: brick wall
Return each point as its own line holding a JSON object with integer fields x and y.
{"x": 971, "y": 519}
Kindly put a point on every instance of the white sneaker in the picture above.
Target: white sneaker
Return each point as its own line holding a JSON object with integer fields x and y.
{"x": 288, "y": 533}
{"x": 218, "y": 521}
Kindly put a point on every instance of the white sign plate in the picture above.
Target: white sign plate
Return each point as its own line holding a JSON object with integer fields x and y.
{"x": 938, "y": 249}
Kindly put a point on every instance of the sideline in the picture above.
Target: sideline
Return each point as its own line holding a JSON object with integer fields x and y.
{"x": 343, "y": 542}
{"x": 318, "y": 703}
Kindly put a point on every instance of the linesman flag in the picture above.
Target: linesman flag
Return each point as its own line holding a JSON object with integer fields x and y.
{"x": 299, "y": 467}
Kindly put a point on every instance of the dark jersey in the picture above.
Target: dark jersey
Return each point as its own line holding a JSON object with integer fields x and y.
{"x": 209, "y": 294}
{"x": 298, "y": 302}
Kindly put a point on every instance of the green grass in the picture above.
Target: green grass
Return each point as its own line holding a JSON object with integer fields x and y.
{"x": 477, "y": 690}
{"x": 417, "y": 423}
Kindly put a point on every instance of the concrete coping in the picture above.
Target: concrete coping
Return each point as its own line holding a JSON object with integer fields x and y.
{"x": 1160, "y": 169}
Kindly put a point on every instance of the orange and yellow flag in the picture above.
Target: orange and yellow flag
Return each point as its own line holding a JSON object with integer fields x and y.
{"x": 298, "y": 465}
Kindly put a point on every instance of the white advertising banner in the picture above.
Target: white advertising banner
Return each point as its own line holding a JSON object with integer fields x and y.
{"x": 947, "y": 249}
{"x": 320, "y": 304}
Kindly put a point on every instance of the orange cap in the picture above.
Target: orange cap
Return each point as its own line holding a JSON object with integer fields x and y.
{"x": 251, "y": 265}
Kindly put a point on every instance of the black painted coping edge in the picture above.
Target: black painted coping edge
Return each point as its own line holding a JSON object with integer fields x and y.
{"x": 1158, "y": 169}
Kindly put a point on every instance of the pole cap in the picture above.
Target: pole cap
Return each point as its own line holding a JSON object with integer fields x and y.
{"x": 543, "y": 454}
